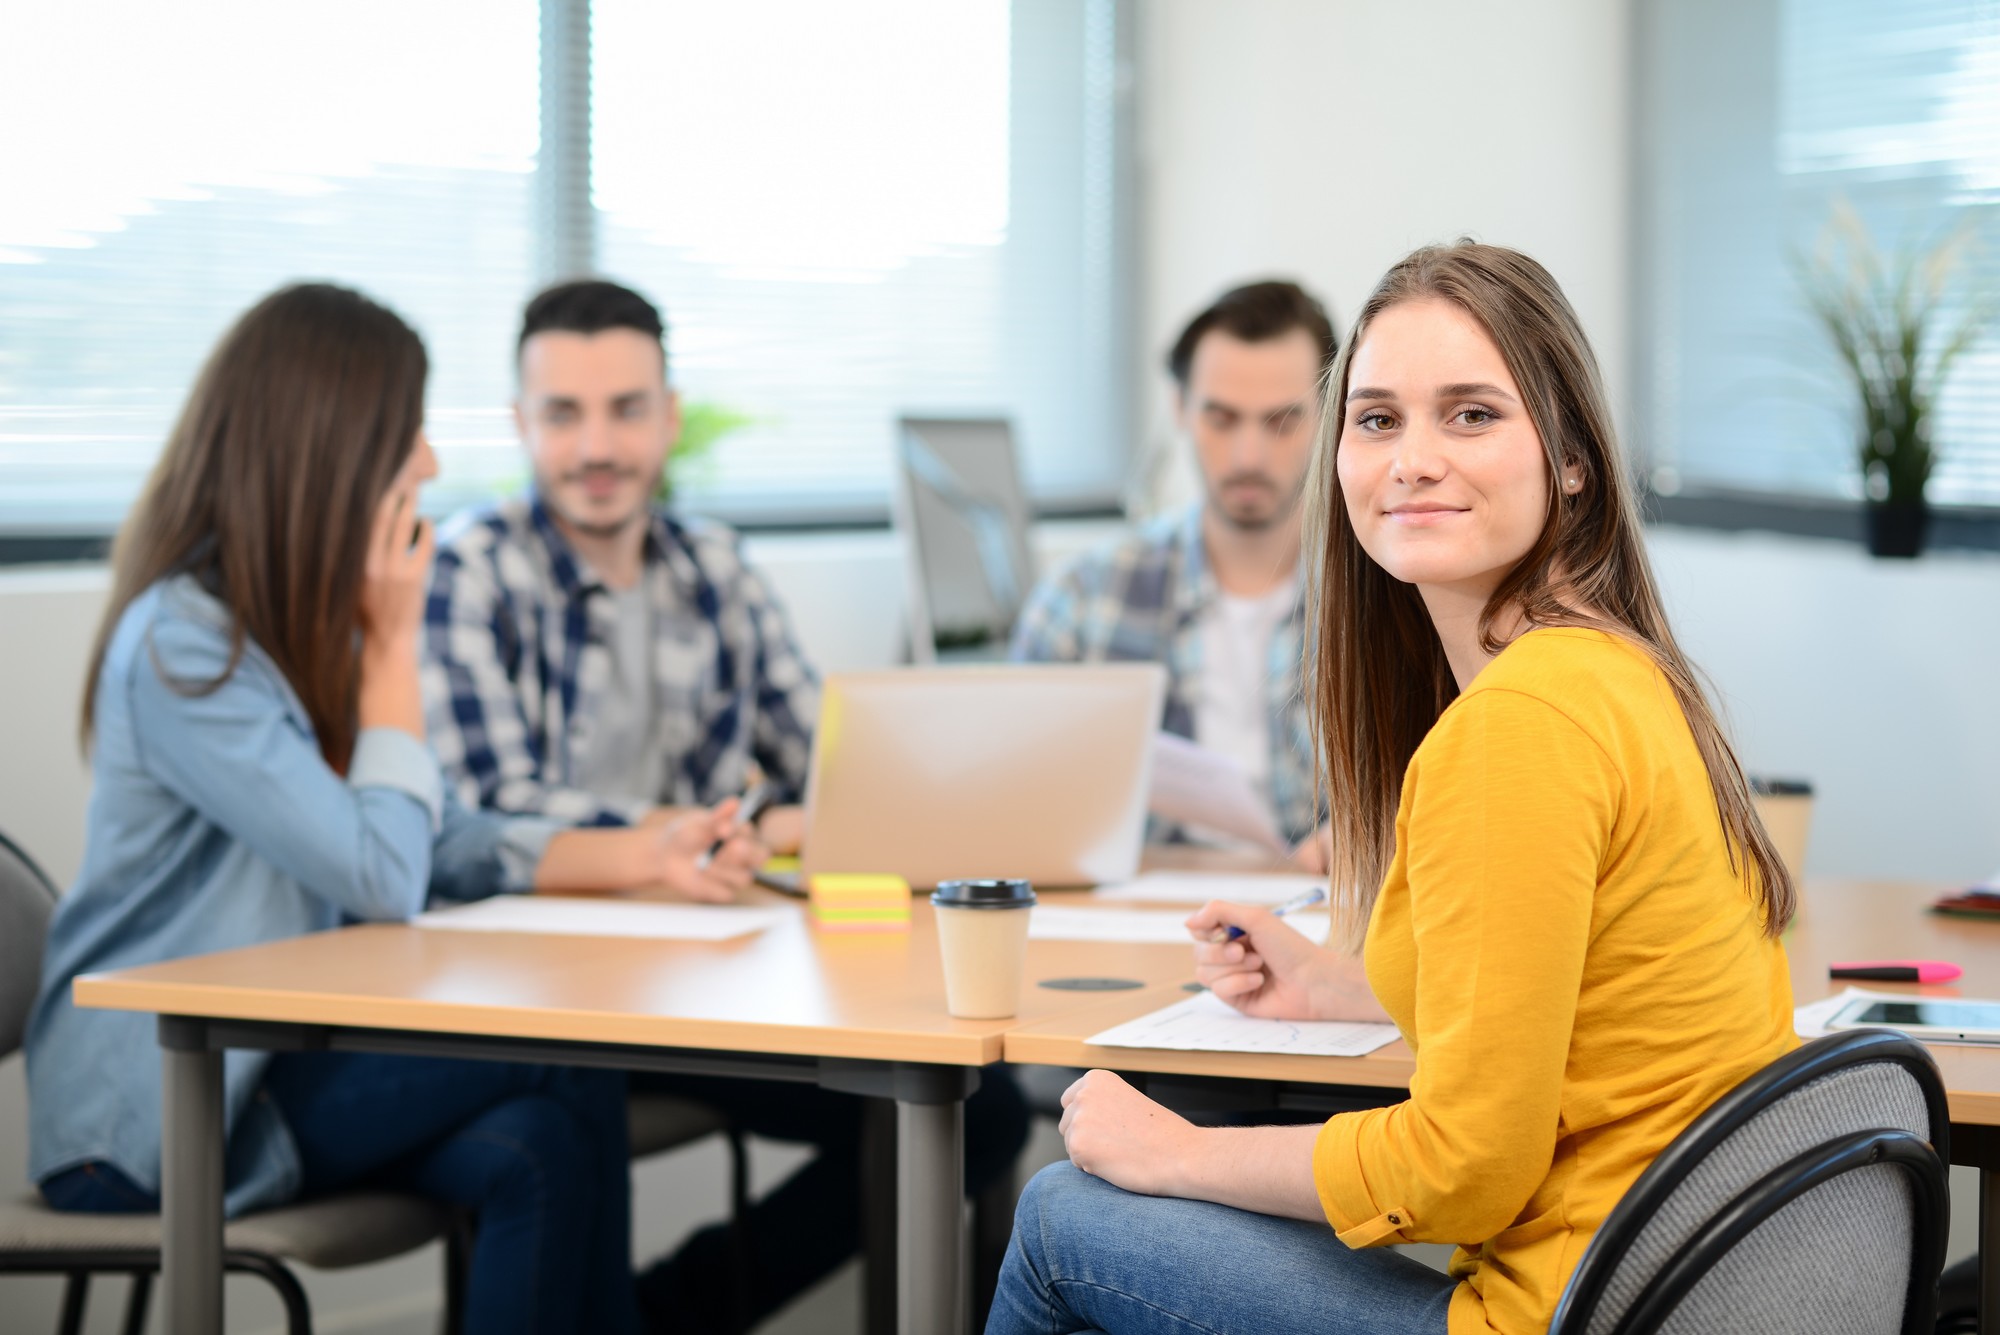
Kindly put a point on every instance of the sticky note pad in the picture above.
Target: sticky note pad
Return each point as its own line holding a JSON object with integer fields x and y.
{"x": 860, "y": 903}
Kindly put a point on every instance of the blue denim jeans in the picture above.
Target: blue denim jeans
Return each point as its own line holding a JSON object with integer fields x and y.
{"x": 1090, "y": 1257}
{"x": 538, "y": 1154}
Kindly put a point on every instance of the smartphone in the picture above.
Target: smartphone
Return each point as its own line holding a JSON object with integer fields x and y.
{"x": 1944, "y": 1020}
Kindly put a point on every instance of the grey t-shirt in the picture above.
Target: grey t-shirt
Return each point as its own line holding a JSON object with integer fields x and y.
{"x": 623, "y": 763}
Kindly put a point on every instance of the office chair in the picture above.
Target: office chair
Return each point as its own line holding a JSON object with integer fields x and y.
{"x": 330, "y": 1233}
{"x": 1811, "y": 1199}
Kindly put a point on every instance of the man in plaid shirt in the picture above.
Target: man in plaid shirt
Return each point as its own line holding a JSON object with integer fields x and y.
{"x": 1214, "y": 592}
{"x": 593, "y": 658}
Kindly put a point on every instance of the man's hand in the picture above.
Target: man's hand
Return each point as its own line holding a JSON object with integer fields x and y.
{"x": 1274, "y": 971}
{"x": 1114, "y": 1132}
{"x": 782, "y": 829}
{"x": 683, "y": 865}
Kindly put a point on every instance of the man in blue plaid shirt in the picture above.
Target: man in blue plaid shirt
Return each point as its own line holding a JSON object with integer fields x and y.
{"x": 1214, "y": 592}
{"x": 594, "y": 658}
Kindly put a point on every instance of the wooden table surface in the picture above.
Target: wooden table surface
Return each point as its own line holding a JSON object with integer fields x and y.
{"x": 1841, "y": 920}
{"x": 791, "y": 989}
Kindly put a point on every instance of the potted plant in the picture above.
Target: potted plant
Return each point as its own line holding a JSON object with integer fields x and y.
{"x": 703, "y": 425}
{"x": 1897, "y": 325}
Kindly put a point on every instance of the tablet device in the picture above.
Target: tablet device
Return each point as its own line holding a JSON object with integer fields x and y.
{"x": 1940, "y": 1020}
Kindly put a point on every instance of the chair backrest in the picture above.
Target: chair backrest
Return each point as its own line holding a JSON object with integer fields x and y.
{"x": 26, "y": 902}
{"x": 1810, "y": 1198}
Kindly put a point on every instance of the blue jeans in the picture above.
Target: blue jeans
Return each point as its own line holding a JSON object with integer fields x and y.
{"x": 1088, "y": 1256}
{"x": 537, "y": 1153}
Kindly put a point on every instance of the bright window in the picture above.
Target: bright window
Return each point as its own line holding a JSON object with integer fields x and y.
{"x": 897, "y": 207}
{"x": 161, "y": 182}
{"x": 848, "y": 211}
{"x": 1758, "y": 116}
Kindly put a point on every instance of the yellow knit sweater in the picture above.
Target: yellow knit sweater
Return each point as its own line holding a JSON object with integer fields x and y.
{"x": 1562, "y": 942}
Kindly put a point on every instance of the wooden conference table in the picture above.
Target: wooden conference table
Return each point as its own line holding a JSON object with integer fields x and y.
{"x": 859, "y": 1013}
{"x": 1840, "y": 920}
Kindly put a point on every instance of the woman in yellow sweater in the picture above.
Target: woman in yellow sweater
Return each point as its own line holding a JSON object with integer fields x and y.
{"x": 1569, "y": 907}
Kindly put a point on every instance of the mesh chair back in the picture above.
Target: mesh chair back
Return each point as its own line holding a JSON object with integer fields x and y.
{"x": 1858, "y": 1121}
{"x": 26, "y": 902}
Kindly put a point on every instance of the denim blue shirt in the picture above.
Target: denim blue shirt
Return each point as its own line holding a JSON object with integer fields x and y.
{"x": 214, "y": 822}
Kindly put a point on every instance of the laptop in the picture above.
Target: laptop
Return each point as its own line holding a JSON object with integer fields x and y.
{"x": 1032, "y": 770}
{"x": 963, "y": 519}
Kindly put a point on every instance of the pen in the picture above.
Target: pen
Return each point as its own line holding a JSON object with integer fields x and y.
{"x": 1897, "y": 971}
{"x": 754, "y": 804}
{"x": 1316, "y": 895}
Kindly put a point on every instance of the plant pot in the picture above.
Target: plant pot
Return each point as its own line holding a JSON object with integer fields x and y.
{"x": 1897, "y": 528}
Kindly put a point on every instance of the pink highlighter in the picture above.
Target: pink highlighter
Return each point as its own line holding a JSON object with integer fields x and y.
{"x": 1897, "y": 971}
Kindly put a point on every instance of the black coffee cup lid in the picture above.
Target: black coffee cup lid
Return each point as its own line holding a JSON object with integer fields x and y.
{"x": 992, "y": 894}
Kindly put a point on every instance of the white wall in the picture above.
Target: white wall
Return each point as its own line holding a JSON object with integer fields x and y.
{"x": 1323, "y": 139}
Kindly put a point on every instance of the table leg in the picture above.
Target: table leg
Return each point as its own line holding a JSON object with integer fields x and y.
{"x": 1989, "y": 1250}
{"x": 930, "y": 1217}
{"x": 191, "y": 1179}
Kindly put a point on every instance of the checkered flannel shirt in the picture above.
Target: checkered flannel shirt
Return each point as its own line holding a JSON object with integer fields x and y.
{"x": 517, "y": 653}
{"x": 1141, "y": 599}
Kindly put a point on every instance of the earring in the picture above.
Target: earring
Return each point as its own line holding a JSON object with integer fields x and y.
{"x": 1571, "y": 483}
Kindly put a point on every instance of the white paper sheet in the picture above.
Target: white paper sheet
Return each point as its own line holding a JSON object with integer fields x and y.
{"x": 563, "y": 916}
{"x": 1063, "y": 922}
{"x": 1195, "y": 786}
{"x": 1204, "y": 1024}
{"x": 1198, "y": 887}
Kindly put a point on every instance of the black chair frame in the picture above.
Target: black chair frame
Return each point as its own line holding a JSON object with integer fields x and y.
{"x": 78, "y": 1266}
{"x": 1922, "y": 1163}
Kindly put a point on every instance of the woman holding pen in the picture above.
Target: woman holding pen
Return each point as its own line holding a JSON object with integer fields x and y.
{"x": 1548, "y": 852}
{"x": 257, "y": 751}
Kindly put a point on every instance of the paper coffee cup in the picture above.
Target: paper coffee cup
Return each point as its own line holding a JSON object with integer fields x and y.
{"x": 983, "y": 940}
{"x": 1785, "y": 806}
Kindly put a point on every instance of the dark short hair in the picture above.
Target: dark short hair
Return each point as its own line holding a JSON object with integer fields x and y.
{"x": 590, "y": 306}
{"x": 1256, "y": 312}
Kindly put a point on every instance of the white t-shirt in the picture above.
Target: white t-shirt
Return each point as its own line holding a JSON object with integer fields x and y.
{"x": 1232, "y": 704}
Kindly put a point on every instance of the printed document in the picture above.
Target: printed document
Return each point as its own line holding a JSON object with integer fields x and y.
{"x": 1198, "y": 887}
{"x": 1195, "y": 786}
{"x": 1062, "y": 922}
{"x": 1204, "y": 1024}
{"x": 564, "y": 916}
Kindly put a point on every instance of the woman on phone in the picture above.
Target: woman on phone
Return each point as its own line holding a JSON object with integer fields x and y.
{"x": 1569, "y": 907}
{"x": 259, "y": 771}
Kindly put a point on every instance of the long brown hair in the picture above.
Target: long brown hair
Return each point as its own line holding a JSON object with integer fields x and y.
{"x": 1380, "y": 675}
{"x": 268, "y": 486}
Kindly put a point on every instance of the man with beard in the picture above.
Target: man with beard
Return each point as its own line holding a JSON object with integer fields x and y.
{"x": 1214, "y": 592}
{"x": 595, "y": 658}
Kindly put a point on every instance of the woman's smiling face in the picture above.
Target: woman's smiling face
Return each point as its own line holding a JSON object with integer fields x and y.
{"x": 1443, "y": 472}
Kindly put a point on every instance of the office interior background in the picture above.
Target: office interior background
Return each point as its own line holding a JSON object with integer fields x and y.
{"x": 852, "y": 210}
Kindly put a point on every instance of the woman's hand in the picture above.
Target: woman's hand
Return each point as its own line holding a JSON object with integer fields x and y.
{"x": 1274, "y": 971}
{"x": 1114, "y": 1132}
{"x": 393, "y": 584}
{"x": 397, "y": 574}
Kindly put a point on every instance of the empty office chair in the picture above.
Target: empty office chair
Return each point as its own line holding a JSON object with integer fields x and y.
{"x": 660, "y": 1122}
{"x": 330, "y": 1233}
{"x": 1811, "y": 1199}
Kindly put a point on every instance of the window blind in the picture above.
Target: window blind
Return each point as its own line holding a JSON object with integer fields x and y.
{"x": 884, "y": 208}
{"x": 159, "y": 183}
